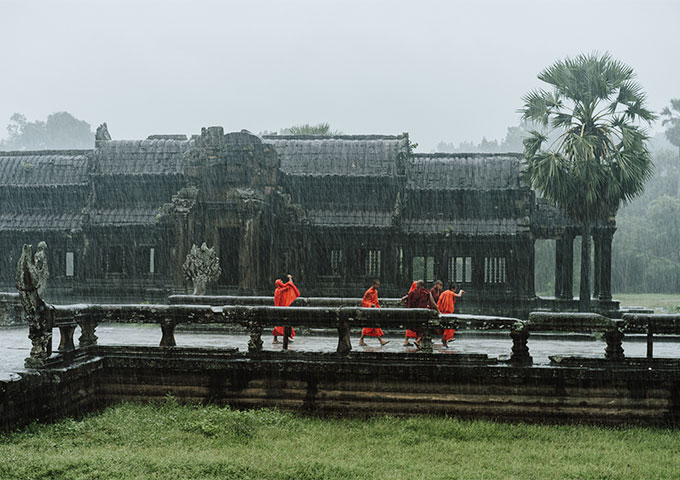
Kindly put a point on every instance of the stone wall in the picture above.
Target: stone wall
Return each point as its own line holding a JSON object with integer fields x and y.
{"x": 466, "y": 386}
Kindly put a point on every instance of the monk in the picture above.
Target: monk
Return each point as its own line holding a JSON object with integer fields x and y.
{"x": 409, "y": 333}
{"x": 420, "y": 297}
{"x": 447, "y": 304}
{"x": 436, "y": 290}
{"x": 284, "y": 295}
{"x": 370, "y": 300}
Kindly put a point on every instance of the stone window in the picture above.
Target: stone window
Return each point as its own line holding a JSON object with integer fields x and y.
{"x": 114, "y": 260}
{"x": 70, "y": 265}
{"x": 460, "y": 269}
{"x": 423, "y": 268}
{"x": 337, "y": 262}
{"x": 494, "y": 270}
{"x": 373, "y": 263}
{"x": 152, "y": 260}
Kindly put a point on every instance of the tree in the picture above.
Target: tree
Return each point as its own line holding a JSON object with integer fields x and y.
{"x": 600, "y": 157}
{"x": 307, "y": 129}
{"x": 672, "y": 121}
{"x": 61, "y": 131}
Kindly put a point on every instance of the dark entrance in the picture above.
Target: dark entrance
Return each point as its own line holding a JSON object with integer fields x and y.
{"x": 229, "y": 251}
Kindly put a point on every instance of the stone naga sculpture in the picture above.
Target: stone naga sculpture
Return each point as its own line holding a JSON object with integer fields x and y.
{"x": 41, "y": 268}
{"x": 29, "y": 282}
{"x": 202, "y": 266}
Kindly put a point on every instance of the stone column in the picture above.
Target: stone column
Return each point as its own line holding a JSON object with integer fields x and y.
{"x": 564, "y": 267}
{"x": 597, "y": 261}
{"x": 605, "y": 290}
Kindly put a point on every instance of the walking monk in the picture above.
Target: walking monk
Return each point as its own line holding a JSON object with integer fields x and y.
{"x": 420, "y": 297}
{"x": 284, "y": 295}
{"x": 409, "y": 333}
{"x": 370, "y": 300}
{"x": 447, "y": 304}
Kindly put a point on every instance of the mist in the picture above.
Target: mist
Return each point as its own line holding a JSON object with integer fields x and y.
{"x": 442, "y": 71}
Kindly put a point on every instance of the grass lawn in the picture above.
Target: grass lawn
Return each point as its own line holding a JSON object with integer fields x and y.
{"x": 659, "y": 302}
{"x": 169, "y": 441}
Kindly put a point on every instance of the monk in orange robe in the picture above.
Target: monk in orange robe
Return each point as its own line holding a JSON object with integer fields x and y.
{"x": 284, "y": 295}
{"x": 370, "y": 300}
{"x": 409, "y": 333}
{"x": 447, "y": 304}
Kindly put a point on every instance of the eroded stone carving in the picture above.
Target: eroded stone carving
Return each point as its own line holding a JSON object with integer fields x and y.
{"x": 42, "y": 269}
{"x": 202, "y": 266}
{"x": 38, "y": 313}
{"x": 102, "y": 133}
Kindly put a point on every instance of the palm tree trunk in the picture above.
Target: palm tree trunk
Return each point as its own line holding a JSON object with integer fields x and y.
{"x": 584, "y": 291}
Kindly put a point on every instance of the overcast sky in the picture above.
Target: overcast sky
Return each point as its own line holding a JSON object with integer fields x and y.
{"x": 440, "y": 70}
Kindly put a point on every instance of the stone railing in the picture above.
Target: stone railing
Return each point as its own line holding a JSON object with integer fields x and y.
{"x": 651, "y": 323}
{"x": 581, "y": 323}
{"x": 341, "y": 318}
{"x": 11, "y": 312}
{"x": 256, "y": 318}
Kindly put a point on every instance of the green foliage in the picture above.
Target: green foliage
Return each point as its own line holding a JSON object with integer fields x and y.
{"x": 513, "y": 142}
{"x": 61, "y": 131}
{"x": 671, "y": 120}
{"x": 168, "y": 440}
{"x": 600, "y": 157}
{"x": 308, "y": 129}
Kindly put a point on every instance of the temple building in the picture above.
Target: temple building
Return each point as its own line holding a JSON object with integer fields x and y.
{"x": 334, "y": 211}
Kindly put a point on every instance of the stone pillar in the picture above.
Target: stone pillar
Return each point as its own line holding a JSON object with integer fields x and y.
{"x": 597, "y": 261}
{"x": 564, "y": 267}
{"x": 605, "y": 290}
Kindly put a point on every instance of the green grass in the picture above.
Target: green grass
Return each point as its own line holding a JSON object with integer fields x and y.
{"x": 169, "y": 441}
{"x": 659, "y": 302}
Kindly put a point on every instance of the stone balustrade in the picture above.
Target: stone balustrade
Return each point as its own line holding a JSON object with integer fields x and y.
{"x": 651, "y": 323}
{"x": 255, "y": 318}
{"x": 582, "y": 323}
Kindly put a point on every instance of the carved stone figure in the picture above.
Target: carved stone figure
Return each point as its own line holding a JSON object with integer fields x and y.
{"x": 38, "y": 314}
{"x": 102, "y": 133}
{"x": 202, "y": 266}
{"x": 41, "y": 268}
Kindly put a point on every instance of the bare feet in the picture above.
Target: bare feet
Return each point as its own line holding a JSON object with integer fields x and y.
{"x": 406, "y": 344}
{"x": 384, "y": 342}
{"x": 362, "y": 343}
{"x": 276, "y": 340}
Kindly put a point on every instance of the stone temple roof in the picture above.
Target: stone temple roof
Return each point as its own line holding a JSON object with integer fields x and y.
{"x": 155, "y": 156}
{"x": 446, "y": 171}
{"x": 31, "y": 221}
{"x": 351, "y": 155}
{"x": 60, "y": 167}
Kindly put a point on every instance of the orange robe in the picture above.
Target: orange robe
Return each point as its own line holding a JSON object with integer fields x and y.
{"x": 284, "y": 295}
{"x": 370, "y": 300}
{"x": 411, "y": 333}
{"x": 447, "y": 304}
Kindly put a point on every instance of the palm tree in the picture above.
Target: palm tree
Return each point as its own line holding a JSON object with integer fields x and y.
{"x": 672, "y": 119}
{"x": 599, "y": 157}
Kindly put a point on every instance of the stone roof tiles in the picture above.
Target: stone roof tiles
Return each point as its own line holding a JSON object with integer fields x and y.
{"x": 137, "y": 157}
{"x": 43, "y": 168}
{"x": 343, "y": 154}
{"x": 30, "y": 221}
{"x": 468, "y": 226}
{"x": 124, "y": 216}
{"x": 349, "y": 218}
{"x": 463, "y": 171}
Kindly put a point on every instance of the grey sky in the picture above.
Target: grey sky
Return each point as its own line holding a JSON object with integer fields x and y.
{"x": 440, "y": 70}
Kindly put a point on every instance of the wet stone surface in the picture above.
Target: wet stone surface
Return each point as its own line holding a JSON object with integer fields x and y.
{"x": 15, "y": 345}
